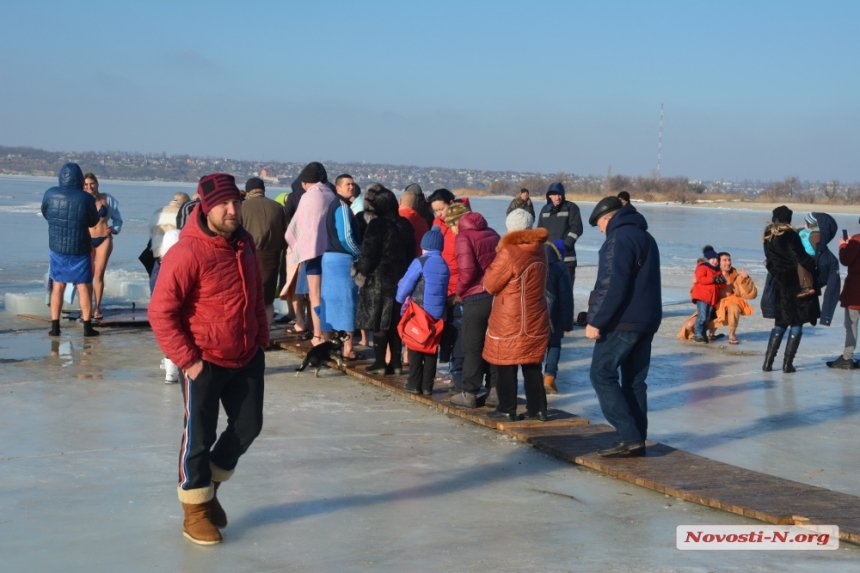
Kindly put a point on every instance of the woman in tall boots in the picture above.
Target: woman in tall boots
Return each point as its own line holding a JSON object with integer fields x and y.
{"x": 386, "y": 252}
{"x": 784, "y": 257}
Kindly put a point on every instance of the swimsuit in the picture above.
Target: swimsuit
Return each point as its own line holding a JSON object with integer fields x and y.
{"x": 99, "y": 240}
{"x": 102, "y": 211}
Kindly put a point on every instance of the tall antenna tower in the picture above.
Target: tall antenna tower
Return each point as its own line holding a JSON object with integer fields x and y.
{"x": 660, "y": 143}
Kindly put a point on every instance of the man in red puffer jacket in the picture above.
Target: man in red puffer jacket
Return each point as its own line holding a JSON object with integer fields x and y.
{"x": 209, "y": 318}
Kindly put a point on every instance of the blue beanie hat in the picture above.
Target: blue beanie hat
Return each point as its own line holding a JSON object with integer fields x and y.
{"x": 710, "y": 253}
{"x": 433, "y": 240}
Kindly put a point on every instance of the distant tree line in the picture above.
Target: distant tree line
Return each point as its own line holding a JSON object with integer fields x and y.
{"x": 683, "y": 190}
{"x": 138, "y": 166}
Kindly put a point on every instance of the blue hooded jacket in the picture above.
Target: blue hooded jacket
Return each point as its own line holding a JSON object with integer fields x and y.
{"x": 828, "y": 267}
{"x": 70, "y": 212}
{"x": 426, "y": 281}
{"x": 627, "y": 293}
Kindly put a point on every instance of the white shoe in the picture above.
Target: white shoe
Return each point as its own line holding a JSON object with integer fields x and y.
{"x": 171, "y": 371}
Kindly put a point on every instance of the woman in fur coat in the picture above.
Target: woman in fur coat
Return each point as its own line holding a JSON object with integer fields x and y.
{"x": 386, "y": 252}
{"x": 783, "y": 253}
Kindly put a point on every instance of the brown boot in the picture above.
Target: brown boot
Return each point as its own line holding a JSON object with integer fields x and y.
{"x": 198, "y": 527}
{"x": 549, "y": 384}
{"x": 217, "y": 515}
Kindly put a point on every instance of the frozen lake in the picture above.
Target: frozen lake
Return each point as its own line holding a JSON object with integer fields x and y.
{"x": 680, "y": 231}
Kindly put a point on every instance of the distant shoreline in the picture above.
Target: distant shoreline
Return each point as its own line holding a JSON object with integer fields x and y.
{"x": 699, "y": 204}
{"x": 539, "y": 200}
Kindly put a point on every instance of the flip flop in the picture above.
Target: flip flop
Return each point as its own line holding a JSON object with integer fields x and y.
{"x": 733, "y": 341}
{"x": 300, "y": 334}
{"x": 355, "y": 356}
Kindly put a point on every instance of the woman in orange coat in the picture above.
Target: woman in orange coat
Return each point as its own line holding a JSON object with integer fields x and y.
{"x": 518, "y": 328}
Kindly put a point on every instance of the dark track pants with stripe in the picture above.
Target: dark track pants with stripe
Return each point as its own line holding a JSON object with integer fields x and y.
{"x": 240, "y": 392}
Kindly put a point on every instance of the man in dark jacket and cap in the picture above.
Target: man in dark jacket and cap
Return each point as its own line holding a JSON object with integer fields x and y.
{"x": 624, "y": 312}
{"x": 562, "y": 220}
{"x": 70, "y": 212}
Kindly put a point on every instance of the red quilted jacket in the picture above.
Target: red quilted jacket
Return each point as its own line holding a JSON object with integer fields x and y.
{"x": 208, "y": 299}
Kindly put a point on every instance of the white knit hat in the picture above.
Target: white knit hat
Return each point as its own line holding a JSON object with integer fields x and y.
{"x": 519, "y": 220}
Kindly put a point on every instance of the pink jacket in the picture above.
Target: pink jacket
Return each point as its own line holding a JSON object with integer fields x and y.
{"x": 307, "y": 233}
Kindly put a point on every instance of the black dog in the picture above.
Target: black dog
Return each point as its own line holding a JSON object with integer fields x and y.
{"x": 321, "y": 353}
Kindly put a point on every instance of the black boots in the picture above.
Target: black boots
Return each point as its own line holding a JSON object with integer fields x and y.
{"x": 89, "y": 330}
{"x": 772, "y": 348}
{"x": 380, "y": 343}
{"x": 790, "y": 350}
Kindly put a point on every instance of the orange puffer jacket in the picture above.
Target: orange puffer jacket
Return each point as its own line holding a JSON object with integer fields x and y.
{"x": 518, "y": 329}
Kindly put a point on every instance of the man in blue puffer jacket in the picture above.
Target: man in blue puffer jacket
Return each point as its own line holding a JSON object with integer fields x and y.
{"x": 624, "y": 312}
{"x": 70, "y": 212}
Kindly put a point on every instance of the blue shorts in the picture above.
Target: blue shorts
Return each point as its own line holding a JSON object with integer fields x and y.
{"x": 314, "y": 266}
{"x": 302, "y": 281}
{"x": 75, "y": 269}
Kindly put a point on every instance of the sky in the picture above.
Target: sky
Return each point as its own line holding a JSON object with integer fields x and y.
{"x": 728, "y": 89}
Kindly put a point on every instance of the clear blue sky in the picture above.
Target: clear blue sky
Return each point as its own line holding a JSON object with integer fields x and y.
{"x": 750, "y": 88}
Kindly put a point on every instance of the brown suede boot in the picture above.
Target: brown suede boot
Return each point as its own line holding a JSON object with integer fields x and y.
{"x": 549, "y": 384}
{"x": 198, "y": 527}
{"x": 217, "y": 515}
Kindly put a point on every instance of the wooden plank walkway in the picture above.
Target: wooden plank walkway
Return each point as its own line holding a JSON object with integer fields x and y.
{"x": 665, "y": 469}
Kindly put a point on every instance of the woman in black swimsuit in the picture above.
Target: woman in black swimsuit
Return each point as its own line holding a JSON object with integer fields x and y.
{"x": 110, "y": 224}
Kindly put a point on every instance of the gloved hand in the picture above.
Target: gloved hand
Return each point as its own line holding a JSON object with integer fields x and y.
{"x": 720, "y": 280}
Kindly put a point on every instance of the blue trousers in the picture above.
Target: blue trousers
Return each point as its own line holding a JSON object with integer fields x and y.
{"x": 624, "y": 404}
{"x": 702, "y": 318}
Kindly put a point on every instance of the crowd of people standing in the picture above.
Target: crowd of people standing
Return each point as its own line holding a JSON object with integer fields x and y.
{"x": 219, "y": 260}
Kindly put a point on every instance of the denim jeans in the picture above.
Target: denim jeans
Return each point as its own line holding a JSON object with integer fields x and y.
{"x": 624, "y": 405}
{"x": 553, "y": 353}
{"x": 793, "y": 330}
{"x": 851, "y": 319}
{"x": 702, "y": 319}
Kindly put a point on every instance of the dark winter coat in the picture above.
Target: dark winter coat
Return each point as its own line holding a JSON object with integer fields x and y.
{"x": 828, "y": 267}
{"x": 386, "y": 252}
{"x": 426, "y": 281}
{"x": 518, "y": 328}
{"x": 291, "y": 203}
{"x": 783, "y": 251}
{"x": 560, "y": 295}
{"x": 476, "y": 248}
{"x": 627, "y": 291}
{"x": 563, "y": 222}
{"x": 70, "y": 212}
